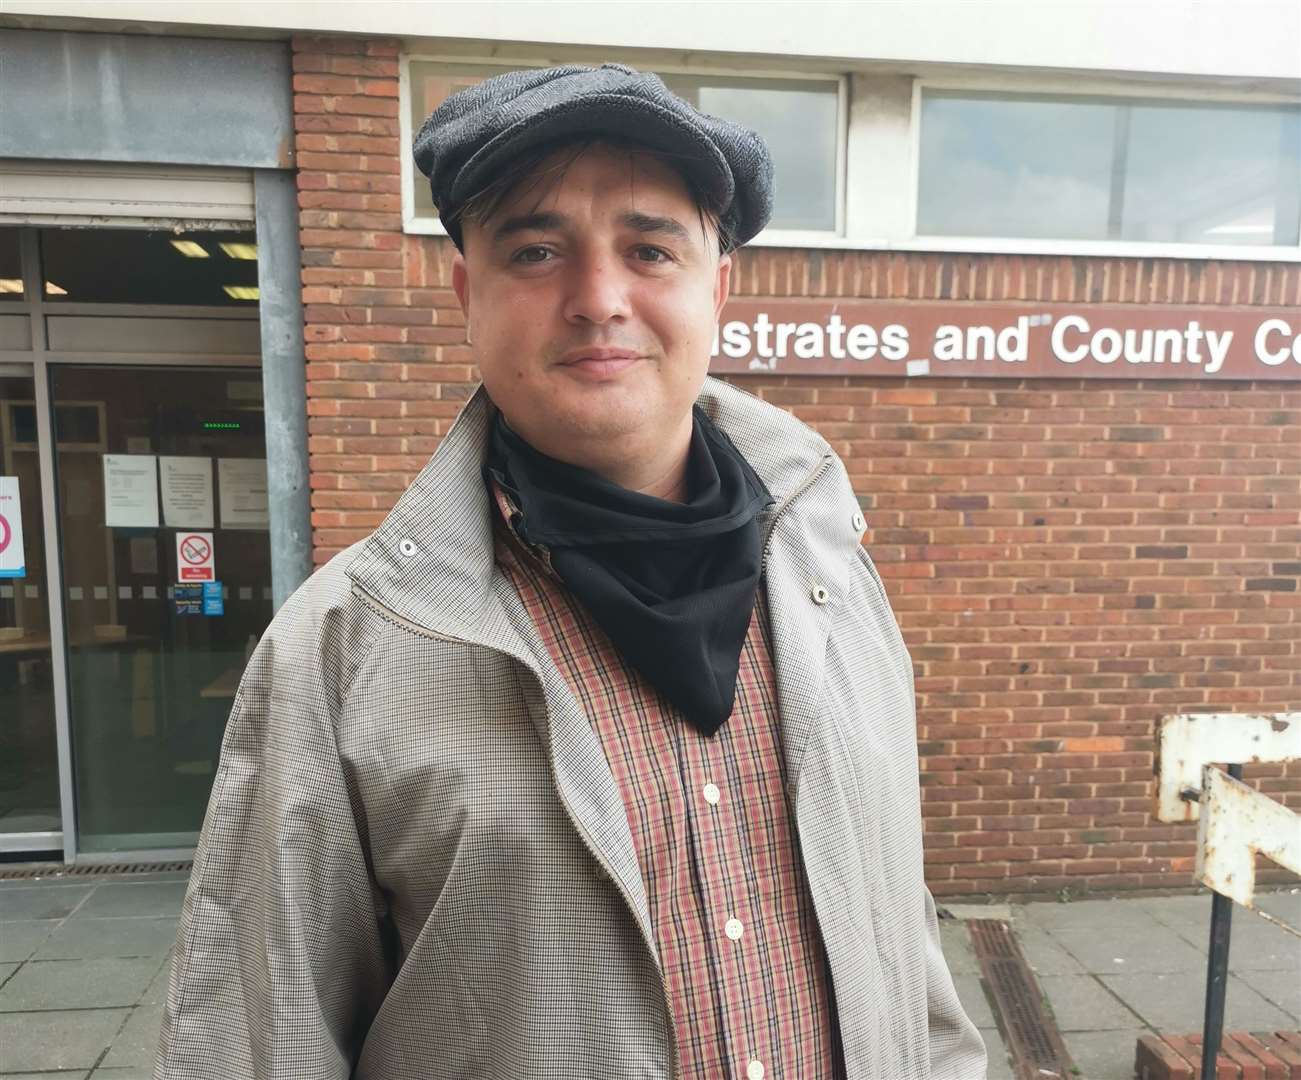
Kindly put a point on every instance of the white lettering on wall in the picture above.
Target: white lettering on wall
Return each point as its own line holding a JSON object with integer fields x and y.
{"x": 1071, "y": 339}
{"x": 1266, "y": 353}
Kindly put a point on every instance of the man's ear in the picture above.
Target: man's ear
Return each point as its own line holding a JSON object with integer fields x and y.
{"x": 722, "y": 283}
{"x": 461, "y": 284}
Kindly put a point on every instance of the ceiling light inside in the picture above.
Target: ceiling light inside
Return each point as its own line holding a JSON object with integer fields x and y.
{"x": 240, "y": 251}
{"x": 190, "y": 249}
{"x": 52, "y": 289}
{"x": 241, "y": 292}
{"x": 11, "y": 285}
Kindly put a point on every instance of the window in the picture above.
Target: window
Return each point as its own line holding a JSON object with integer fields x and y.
{"x": 1073, "y": 168}
{"x": 11, "y": 273}
{"x": 799, "y": 118}
{"x": 113, "y": 266}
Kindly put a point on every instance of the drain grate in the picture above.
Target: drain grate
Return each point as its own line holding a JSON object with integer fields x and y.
{"x": 31, "y": 871}
{"x": 1038, "y": 1052}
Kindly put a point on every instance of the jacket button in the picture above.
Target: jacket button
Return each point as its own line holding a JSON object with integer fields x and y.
{"x": 407, "y": 547}
{"x": 819, "y": 595}
{"x": 860, "y": 522}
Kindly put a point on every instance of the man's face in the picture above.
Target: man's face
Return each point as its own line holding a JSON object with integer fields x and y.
{"x": 592, "y": 299}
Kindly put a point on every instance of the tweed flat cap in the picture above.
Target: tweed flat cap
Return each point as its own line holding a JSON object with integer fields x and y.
{"x": 474, "y": 134}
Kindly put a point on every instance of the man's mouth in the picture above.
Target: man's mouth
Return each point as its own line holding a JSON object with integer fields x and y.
{"x": 599, "y": 363}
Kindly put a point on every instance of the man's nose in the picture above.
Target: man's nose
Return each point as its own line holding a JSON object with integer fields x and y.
{"x": 597, "y": 289}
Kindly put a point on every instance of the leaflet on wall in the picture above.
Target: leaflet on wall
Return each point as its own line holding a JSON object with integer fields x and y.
{"x": 131, "y": 491}
{"x": 144, "y": 555}
{"x": 11, "y": 530}
{"x": 243, "y": 483}
{"x": 187, "y": 492}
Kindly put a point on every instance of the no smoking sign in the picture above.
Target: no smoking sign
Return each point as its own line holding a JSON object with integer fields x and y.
{"x": 11, "y": 529}
{"x": 195, "y": 557}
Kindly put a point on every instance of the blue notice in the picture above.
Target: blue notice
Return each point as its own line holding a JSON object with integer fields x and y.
{"x": 188, "y": 599}
{"x": 212, "y": 601}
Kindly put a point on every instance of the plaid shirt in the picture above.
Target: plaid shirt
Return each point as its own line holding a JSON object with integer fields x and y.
{"x": 738, "y": 942}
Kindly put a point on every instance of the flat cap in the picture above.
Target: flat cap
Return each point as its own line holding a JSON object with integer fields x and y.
{"x": 472, "y": 136}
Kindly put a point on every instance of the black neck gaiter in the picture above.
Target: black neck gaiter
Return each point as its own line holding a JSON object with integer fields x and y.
{"x": 672, "y": 584}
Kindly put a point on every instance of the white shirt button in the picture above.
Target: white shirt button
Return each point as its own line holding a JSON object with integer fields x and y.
{"x": 860, "y": 522}
{"x": 754, "y": 1071}
{"x": 407, "y": 547}
{"x": 820, "y": 595}
{"x": 712, "y": 794}
{"x": 733, "y": 929}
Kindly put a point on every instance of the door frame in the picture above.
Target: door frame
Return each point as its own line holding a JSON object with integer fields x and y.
{"x": 38, "y": 364}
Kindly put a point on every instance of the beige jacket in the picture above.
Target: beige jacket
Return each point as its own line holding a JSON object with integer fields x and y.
{"x": 416, "y": 863}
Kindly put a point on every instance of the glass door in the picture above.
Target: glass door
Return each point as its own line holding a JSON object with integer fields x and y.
{"x": 29, "y": 763}
{"x": 166, "y": 566}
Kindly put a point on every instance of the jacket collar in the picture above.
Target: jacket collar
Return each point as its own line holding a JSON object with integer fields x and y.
{"x": 431, "y": 560}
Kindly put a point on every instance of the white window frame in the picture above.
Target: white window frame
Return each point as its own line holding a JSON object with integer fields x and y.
{"x": 1032, "y": 88}
{"x": 835, "y": 237}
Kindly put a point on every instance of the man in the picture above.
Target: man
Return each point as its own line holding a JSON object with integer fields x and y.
{"x": 597, "y": 759}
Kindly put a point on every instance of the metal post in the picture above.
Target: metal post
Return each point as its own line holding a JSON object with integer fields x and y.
{"x": 1217, "y": 972}
{"x": 284, "y": 380}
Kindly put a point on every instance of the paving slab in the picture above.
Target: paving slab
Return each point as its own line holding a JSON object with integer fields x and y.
{"x": 1254, "y": 944}
{"x": 116, "y": 899}
{"x": 1284, "y": 904}
{"x": 958, "y": 952}
{"x": 999, "y": 1068}
{"x": 157, "y": 992}
{"x": 137, "y": 1042}
{"x": 60, "y": 1039}
{"x": 1125, "y": 947}
{"x": 37, "y": 902}
{"x": 87, "y": 938}
{"x": 1104, "y": 1055}
{"x": 135, "y": 1072}
{"x": 1281, "y": 988}
{"x": 1175, "y": 1003}
{"x": 1044, "y": 953}
{"x": 18, "y": 940}
{"x": 1177, "y": 910}
{"x": 77, "y": 984}
{"x": 1084, "y": 915}
{"x": 1082, "y": 1003}
{"x": 974, "y": 1003}
{"x": 962, "y": 912}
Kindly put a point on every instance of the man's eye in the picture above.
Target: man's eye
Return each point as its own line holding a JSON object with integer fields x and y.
{"x": 646, "y": 253}
{"x": 532, "y": 254}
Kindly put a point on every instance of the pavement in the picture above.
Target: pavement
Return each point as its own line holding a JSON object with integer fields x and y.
{"x": 1112, "y": 970}
{"x": 84, "y": 965}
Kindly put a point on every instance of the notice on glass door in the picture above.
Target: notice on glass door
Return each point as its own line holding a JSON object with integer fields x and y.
{"x": 131, "y": 491}
{"x": 187, "y": 492}
{"x": 11, "y": 530}
{"x": 243, "y": 483}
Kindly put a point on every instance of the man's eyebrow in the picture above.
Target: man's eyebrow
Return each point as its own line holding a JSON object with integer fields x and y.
{"x": 539, "y": 222}
{"x": 653, "y": 223}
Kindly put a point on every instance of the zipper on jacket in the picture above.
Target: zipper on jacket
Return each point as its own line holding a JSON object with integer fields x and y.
{"x": 807, "y": 483}
{"x": 389, "y": 615}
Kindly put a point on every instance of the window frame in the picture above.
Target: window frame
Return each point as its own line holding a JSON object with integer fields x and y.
{"x": 1034, "y": 88}
{"x": 834, "y": 237}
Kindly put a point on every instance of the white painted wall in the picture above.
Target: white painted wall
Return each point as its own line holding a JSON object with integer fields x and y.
{"x": 1247, "y": 39}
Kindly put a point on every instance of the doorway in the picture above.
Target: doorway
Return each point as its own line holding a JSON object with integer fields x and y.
{"x": 132, "y": 424}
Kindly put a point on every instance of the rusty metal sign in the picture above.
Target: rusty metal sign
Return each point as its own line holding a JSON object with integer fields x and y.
{"x": 1017, "y": 341}
{"x": 1187, "y": 742}
{"x": 1237, "y": 824}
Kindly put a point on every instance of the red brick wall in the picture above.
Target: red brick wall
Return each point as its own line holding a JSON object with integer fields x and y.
{"x": 1068, "y": 560}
